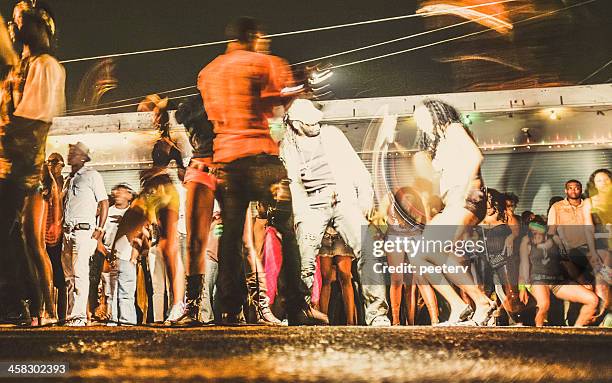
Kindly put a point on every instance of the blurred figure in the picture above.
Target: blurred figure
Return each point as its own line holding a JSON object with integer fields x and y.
{"x": 325, "y": 193}
{"x": 84, "y": 196}
{"x": 157, "y": 204}
{"x": 240, "y": 89}
{"x": 441, "y": 137}
{"x": 253, "y": 238}
{"x": 8, "y": 57}
{"x": 53, "y": 182}
{"x": 499, "y": 255}
{"x": 337, "y": 258}
{"x": 122, "y": 195}
{"x": 599, "y": 207}
{"x": 541, "y": 273}
{"x": 33, "y": 93}
{"x": 98, "y": 80}
{"x": 200, "y": 183}
{"x": 398, "y": 227}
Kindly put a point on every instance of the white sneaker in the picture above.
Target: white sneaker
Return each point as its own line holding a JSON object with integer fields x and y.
{"x": 76, "y": 322}
{"x": 176, "y": 312}
{"x": 381, "y": 321}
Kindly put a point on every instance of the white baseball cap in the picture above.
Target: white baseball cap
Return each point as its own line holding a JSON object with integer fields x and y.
{"x": 305, "y": 111}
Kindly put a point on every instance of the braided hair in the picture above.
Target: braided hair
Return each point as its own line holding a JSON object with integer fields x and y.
{"x": 442, "y": 115}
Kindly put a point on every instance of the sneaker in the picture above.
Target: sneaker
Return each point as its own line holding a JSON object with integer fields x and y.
{"x": 76, "y": 322}
{"x": 175, "y": 314}
{"x": 482, "y": 318}
{"x": 381, "y": 321}
{"x": 455, "y": 320}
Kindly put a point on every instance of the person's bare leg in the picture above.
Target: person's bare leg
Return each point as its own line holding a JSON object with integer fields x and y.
{"x": 429, "y": 296}
{"x": 33, "y": 230}
{"x": 458, "y": 220}
{"x": 542, "y": 295}
{"x": 345, "y": 278}
{"x": 168, "y": 244}
{"x": 327, "y": 271}
{"x": 199, "y": 204}
{"x": 580, "y": 294}
{"x": 395, "y": 290}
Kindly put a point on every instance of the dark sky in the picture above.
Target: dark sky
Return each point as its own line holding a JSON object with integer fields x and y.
{"x": 564, "y": 48}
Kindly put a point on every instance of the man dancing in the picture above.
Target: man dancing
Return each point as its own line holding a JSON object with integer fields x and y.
{"x": 240, "y": 89}
{"x": 330, "y": 185}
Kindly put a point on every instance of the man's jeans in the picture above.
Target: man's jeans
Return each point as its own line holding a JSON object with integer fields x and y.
{"x": 349, "y": 223}
{"x": 78, "y": 248}
{"x": 125, "y": 306}
{"x": 209, "y": 301}
{"x": 240, "y": 182}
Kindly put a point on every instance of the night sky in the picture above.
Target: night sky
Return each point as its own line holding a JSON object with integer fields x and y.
{"x": 558, "y": 50}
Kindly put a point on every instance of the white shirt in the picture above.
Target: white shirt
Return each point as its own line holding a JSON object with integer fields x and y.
{"x": 111, "y": 225}
{"x": 82, "y": 192}
{"x": 123, "y": 249}
{"x": 43, "y": 95}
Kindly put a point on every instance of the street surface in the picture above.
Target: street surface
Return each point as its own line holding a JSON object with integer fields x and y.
{"x": 316, "y": 354}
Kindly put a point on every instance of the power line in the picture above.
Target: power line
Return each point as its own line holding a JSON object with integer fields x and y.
{"x": 388, "y": 54}
{"x": 124, "y": 106}
{"x": 386, "y": 19}
{"x": 134, "y": 98}
{"x": 455, "y": 38}
{"x": 278, "y": 34}
{"x": 596, "y": 72}
{"x": 403, "y": 38}
{"x": 336, "y": 54}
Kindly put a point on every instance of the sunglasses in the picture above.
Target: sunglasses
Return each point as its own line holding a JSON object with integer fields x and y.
{"x": 54, "y": 162}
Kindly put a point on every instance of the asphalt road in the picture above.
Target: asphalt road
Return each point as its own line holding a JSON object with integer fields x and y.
{"x": 326, "y": 354}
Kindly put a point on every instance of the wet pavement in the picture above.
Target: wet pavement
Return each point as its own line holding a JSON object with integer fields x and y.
{"x": 326, "y": 354}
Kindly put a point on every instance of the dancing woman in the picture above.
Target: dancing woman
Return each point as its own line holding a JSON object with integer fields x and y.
{"x": 541, "y": 273}
{"x": 200, "y": 184}
{"x": 158, "y": 203}
{"x": 454, "y": 155}
{"x": 32, "y": 95}
{"x": 498, "y": 236}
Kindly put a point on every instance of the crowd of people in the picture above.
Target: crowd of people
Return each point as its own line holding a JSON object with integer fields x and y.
{"x": 272, "y": 221}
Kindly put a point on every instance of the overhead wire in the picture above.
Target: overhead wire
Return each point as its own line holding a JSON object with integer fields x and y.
{"x": 456, "y": 38}
{"x": 596, "y": 72}
{"x": 133, "y": 98}
{"x": 403, "y": 38}
{"x": 314, "y": 59}
{"x": 318, "y": 29}
{"x": 375, "y": 57}
{"x": 123, "y": 106}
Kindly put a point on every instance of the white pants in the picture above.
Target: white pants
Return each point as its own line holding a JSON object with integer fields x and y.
{"x": 157, "y": 268}
{"x": 78, "y": 248}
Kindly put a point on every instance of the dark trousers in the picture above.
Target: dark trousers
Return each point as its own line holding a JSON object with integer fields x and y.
{"x": 241, "y": 181}
{"x": 96, "y": 264}
{"x": 55, "y": 254}
{"x": 20, "y": 277}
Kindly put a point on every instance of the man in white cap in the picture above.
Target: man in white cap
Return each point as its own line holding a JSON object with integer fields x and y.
{"x": 84, "y": 195}
{"x": 330, "y": 185}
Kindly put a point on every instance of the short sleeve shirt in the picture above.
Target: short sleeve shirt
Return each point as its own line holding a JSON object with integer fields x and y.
{"x": 568, "y": 219}
{"x": 82, "y": 192}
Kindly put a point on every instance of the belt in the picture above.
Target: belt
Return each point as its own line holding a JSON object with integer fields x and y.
{"x": 78, "y": 226}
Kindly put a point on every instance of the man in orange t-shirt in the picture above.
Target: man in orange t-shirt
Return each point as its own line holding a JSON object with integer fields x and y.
{"x": 240, "y": 90}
